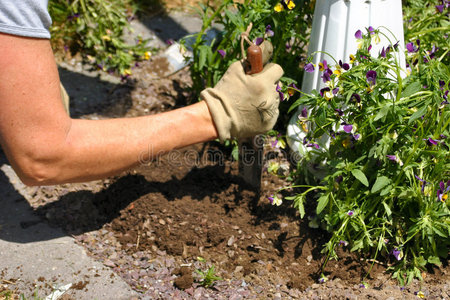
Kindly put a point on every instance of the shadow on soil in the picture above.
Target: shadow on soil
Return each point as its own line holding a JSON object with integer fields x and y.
{"x": 92, "y": 95}
{"x": 84, "y": 211}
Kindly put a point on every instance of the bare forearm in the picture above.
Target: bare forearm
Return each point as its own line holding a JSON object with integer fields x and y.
{"x": 95, "y": 149}
{"x": 98, "y": 148}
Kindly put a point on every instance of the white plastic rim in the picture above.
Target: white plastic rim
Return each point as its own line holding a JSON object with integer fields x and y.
{"x": 333, "y": 31}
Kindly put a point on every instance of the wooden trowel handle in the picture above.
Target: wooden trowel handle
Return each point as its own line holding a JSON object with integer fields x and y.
{"x": 254, "y": 59}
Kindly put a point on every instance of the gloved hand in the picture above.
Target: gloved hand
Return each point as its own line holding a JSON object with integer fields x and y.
{"x": 244, "y": 105}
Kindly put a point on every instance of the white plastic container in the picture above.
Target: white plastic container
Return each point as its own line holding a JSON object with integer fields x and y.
{"x": 334, "y": 26}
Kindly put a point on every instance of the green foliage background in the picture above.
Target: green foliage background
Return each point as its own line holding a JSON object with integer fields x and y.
{"x": 95, "y": 28}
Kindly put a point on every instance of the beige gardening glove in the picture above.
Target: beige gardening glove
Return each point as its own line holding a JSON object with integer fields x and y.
{"x": 244, "y": 105}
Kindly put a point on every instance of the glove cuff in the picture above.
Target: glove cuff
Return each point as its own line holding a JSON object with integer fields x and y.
{"x": 220, "y": 116}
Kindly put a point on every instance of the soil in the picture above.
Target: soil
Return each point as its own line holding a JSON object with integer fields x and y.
{"x": 188, "y": 211}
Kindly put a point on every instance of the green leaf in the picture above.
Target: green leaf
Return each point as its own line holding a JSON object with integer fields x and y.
{"x": 383, "y": 112}
{"x": 411, "y": 89}
{"x": 203, "y": 51}
{"x": 380, "y": 183}
{"x": 357, "y": 245}
{"x": 434, "y": 260}
{"x": 235, "y": 152}
{"x": 438, "y": 232}
{"x": 386, "y": 190}
{"x": 298, "y": 203}
{"x": 360, "y": 176}
{"x": 420, "y": 112}
{"x": 322, "y": 203}
{"x": 387, "y": 208}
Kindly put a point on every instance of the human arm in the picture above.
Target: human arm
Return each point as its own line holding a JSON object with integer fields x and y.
{"x": 45, "y": 146}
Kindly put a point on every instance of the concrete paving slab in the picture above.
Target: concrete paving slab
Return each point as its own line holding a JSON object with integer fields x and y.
{"x": 36, "y": 258}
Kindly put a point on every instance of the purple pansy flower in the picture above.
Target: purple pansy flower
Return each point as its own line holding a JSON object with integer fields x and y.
{"x": 271, "y": 199}
{"x": 371, "y": 30}
{"x": 292, "y": 88}
{"x": 356, "y": 97}
{"x": 397, "y": 253}
{"x": 440, "y": 8}
{"x": 258, "y": 41}
{"x": 357, "y": 136}
{"x": 323, "y": 66}
{"x": 326, "y": 76}
{"x": 443, "y": 191}
{"x": 222, "y": 52}
{"x": 322, "y": 91}
{"x": 431, "y": 53}
{"x": 371, "y": 77}
{"x": 280, "y": 93}
{"x": 445, "y": 96}
{"x": 412, "y": 48}
{"x": 383, "y": 53}
{"x": 309, "y": 68}
{"x": 343, "y": 243}
{"x": 73, "y": 17}
{"x": 344, "y": 66}
{"x": 313, "y": 145}
{"x": 392, "y": 157}
{"x": 348, "y": 128}
{"x": 358, "y": 34}
{"x": 339, "y": 112}
{"x": 304, "y": 112}
{"x": 269, "y": 31}
{"x": 350, "y": 213}
{"x": 422, "y": 182}
{"x": 431, "y": 141}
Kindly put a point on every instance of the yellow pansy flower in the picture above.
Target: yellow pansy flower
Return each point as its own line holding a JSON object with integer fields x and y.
{"x": 290, "y": 4}
{"x": 347, "y": 143}
{"x": 147, "y": 55}
{"x": 304, "y": 126}
{"x": 338, "y": 72}
{"x": 421, "y": 295}
{"x": 279, "y": 7}
{"x": 328, "y": 95}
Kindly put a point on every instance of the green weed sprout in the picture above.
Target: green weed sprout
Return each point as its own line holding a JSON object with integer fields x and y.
{"x": 207, "y": 278}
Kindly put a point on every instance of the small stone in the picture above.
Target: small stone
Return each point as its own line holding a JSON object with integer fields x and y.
{"x": 238, "y": 269}
{"x": 162, "y": 222}
{"x": 230, "y": 241}
{"x": 309, "y": 258}
{"x": 109, "y": 263}
{"x": 315, "y": 286}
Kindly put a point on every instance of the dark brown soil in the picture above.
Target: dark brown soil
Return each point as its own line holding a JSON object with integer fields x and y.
{"x": 189, "y": 210}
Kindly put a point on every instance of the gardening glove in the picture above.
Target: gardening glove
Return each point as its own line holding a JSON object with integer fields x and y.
{"x": 244, "y": 105}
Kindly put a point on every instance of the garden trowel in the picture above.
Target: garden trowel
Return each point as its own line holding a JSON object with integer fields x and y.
{"x": 251, "y": 150}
